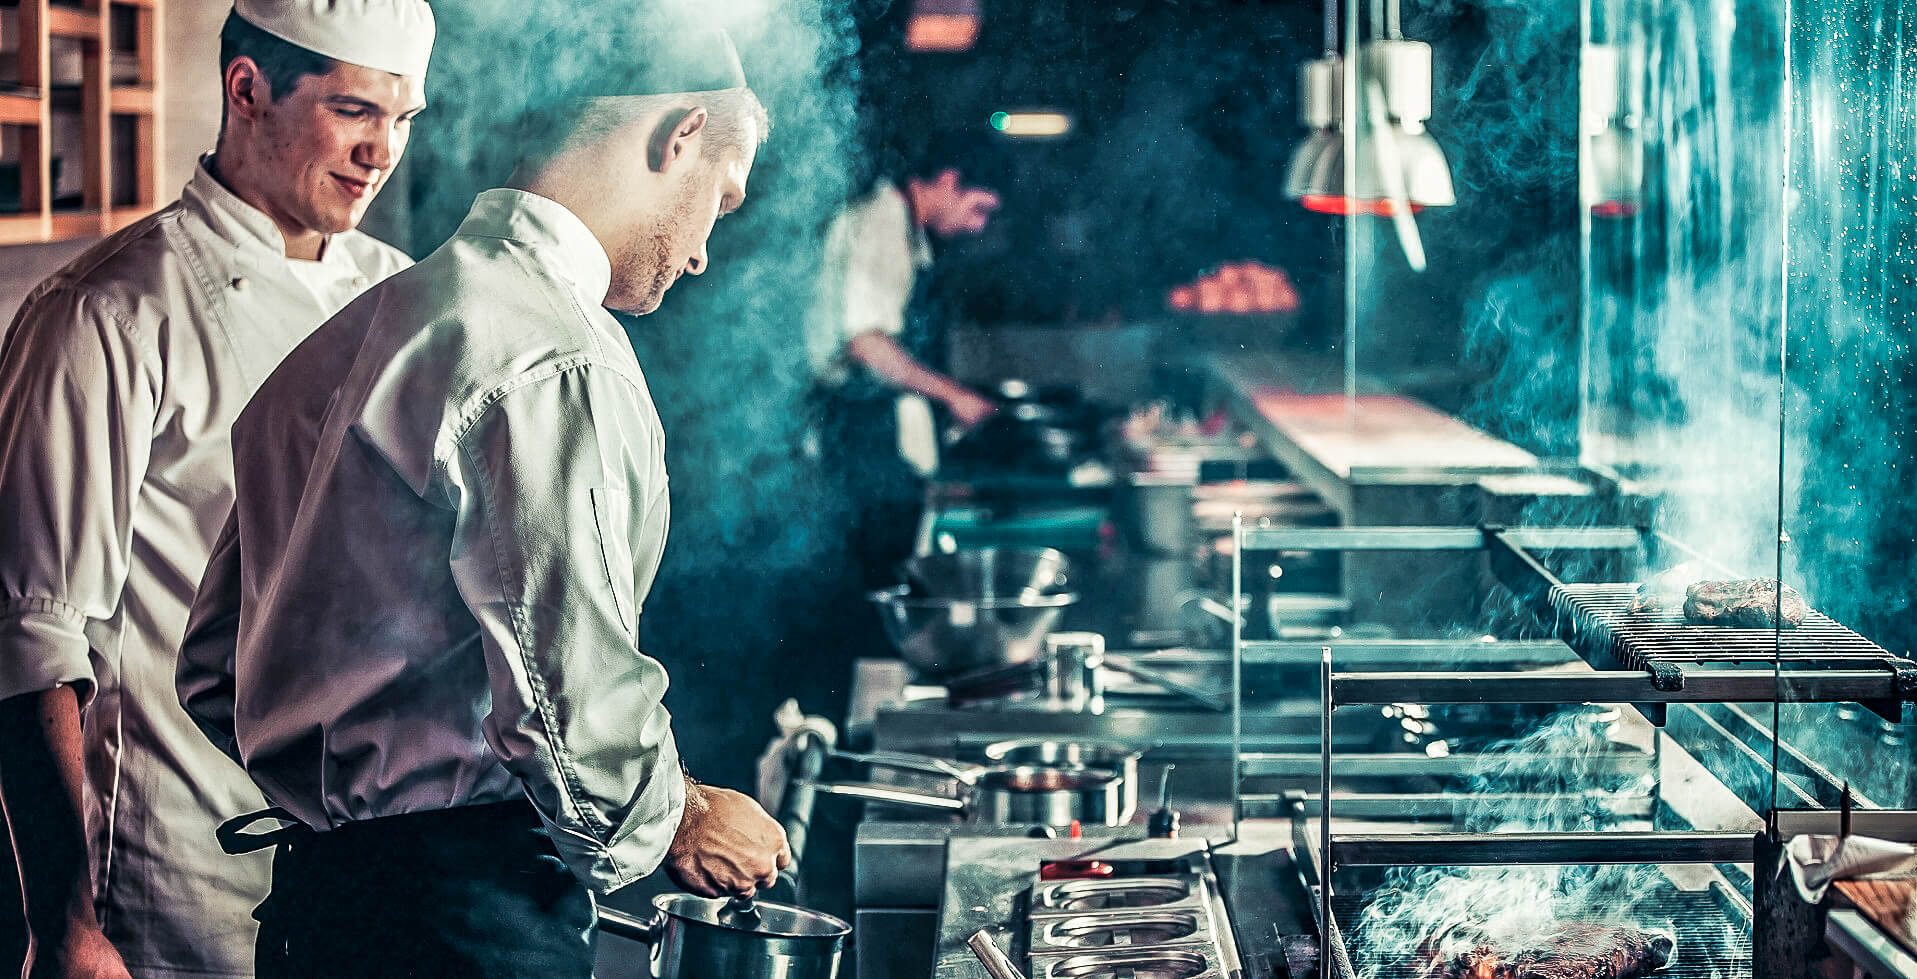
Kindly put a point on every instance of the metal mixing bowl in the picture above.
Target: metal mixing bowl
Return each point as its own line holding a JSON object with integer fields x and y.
{"x": 988, "y": 573}
{"x": 941, "y": 638}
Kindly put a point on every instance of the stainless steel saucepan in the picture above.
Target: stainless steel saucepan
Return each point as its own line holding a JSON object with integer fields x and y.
{"x": 1037, "y": 782}
{"x": 701, "y": 938}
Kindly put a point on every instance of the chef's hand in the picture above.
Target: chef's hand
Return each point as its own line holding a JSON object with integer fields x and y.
{"x": 726, "y": 844}
{"x": 969, "y": 408}
{"x": 82, "y": 953}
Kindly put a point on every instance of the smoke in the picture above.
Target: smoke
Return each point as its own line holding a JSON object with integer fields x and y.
{"x": 1430, "y": 914}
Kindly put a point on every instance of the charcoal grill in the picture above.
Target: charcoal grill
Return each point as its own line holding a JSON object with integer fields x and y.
{"x": 1713, "y": 937}
{"x": 1598, "y": 621}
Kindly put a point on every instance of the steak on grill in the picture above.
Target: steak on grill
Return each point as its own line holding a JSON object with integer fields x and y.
{"x": 1744, "y": 603}
{"x": 1571, "y": 951}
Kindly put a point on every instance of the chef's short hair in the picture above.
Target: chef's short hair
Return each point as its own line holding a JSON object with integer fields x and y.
{"x": 975, "y": 154}
{"x": 282, "y": 62}
{"x": 544, "y": 131}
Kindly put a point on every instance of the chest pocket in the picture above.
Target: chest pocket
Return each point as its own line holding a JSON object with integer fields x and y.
{"x": 612, "y": 520}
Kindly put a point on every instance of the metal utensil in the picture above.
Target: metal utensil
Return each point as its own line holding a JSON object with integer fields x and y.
{"x": 995, "y": 963}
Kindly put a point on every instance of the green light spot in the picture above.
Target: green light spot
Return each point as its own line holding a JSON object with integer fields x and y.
{"x": 998, "y": 120}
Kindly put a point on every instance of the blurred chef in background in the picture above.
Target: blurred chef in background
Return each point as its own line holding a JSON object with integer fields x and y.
{"x": 875, "y": 341}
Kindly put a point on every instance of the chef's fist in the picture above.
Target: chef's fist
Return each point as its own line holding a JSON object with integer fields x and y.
{"x": 726, "y": 844}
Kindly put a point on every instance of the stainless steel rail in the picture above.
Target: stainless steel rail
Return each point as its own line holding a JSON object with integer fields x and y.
{"x": 1492, "y": 849}
{"x": 1723, "y": 686}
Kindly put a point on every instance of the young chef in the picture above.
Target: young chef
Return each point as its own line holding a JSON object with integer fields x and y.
{"x": 119, "y": 380}
{"x": 417, "y": 631}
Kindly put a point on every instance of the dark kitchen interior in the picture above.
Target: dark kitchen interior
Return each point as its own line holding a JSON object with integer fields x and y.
{"x": 1525, "y": 592}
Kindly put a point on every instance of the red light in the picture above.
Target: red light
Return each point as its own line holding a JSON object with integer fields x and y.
{"x": 941, "y": 32}
{"x": 1334, "y": 204}
{"x": 1614, "y": 209}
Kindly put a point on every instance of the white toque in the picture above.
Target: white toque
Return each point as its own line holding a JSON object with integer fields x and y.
{"x": 387, "y": 35}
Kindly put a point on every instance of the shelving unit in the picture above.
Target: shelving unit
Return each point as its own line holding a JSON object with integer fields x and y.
{"x": 127, "y": 114}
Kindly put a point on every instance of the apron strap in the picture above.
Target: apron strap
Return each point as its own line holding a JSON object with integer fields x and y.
{"x": 235, "y": 842}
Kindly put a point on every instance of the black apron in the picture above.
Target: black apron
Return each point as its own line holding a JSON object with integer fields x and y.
{"x": 469, "y": 891}
{"x": 858, "y": 428}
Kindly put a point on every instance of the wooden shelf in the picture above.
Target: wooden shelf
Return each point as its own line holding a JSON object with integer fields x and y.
{"x": 77, "y": 224}
{"x": 19, "y": 110}
{"x": 120, "y": 217}
{"x": 71, "y": 22}
{"x": 95, "y": 101}
{"x": 132, "y": 101}
{"x": 20, "y": 229}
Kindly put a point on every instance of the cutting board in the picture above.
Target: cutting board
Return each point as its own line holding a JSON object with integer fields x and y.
{"x": 1887, "y": 903}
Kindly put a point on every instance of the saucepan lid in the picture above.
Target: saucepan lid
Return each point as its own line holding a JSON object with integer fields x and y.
{"x": 762, "y": 918}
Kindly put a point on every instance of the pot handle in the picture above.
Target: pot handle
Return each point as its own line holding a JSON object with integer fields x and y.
{"x": 873, "y": 792}
{"x": 907, "y": 762}
{"x": 989, "y": 956}
{"x": 615, "y": 922}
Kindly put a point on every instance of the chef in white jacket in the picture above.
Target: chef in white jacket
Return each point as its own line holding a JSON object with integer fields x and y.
{"x": 119, "y": 380}
{"x": 418, "y": 630}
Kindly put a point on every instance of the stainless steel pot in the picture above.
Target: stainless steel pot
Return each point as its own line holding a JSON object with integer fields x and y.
{"x": 1155, "y": 513}
{"x": 1013, "y": 795}
{"x": 703, "y": 938}
{"x": 1111, "y": 756}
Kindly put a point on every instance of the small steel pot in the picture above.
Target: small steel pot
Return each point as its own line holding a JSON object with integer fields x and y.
{"x": 702, "y": 938}
{"x": 1111, "y": 756}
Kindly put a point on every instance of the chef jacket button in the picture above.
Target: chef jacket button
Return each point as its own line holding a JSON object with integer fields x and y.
{"x": 238, "y": 283}
{"x": 360, "y": 281}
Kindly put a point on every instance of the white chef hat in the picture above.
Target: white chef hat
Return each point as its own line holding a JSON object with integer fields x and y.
{"x": 386, "y": 35}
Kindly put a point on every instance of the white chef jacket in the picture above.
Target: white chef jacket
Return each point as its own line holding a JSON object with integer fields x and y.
{"x": 451, "y": 505}
{"x": 873, "y": 256}
{"x": 119, "y": 380}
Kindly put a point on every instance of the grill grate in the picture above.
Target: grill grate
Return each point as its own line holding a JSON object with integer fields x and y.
{"x": 1601, "y": 622}
{"x": 1710, "y": 944}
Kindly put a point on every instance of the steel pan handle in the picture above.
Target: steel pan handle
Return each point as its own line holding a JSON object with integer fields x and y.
{"x": 907, "y": 762}
{"x": 989, "y": 956}
{"x": 616, "y": 922}
{"x": 894, "y": 795}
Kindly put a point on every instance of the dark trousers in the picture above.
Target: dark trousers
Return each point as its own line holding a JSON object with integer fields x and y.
{"x": 476, "y": 891}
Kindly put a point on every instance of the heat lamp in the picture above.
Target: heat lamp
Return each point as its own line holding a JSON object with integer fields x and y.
{"x": 1399, "y": 168}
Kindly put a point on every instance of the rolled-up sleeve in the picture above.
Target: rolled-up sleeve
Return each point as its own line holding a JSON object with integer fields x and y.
{"x": 556, "y": 488}
{"x": 79, "y": 392}
{"x": 204, "y": 674}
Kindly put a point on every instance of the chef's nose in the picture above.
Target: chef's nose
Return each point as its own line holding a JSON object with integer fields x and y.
{"x": 379, "y": 151}
{"x": 697, "y": 263}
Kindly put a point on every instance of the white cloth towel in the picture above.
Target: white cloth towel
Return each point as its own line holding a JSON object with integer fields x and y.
{"x": 775, "y": 764}
{"x": 1815, "y": 861}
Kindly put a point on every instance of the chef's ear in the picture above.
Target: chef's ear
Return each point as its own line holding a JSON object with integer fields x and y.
{"x": 672, "y": 141}
{"x": 245, "y": 87}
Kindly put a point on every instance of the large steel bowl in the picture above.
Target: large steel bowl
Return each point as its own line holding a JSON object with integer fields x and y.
{"x": 988, "y": 573}
{"x": 942, "y": 638}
